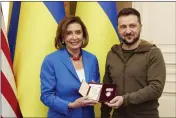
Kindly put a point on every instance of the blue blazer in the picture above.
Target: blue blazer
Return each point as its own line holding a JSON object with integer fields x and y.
{"x": 60, "y": 83}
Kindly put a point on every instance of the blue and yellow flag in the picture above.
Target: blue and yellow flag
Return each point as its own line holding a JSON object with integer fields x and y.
{"x": 100, "y": 19}
{"x": 32, "y": 30}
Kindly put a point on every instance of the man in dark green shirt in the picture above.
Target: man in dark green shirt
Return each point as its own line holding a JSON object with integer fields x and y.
{"x": 137, "y": 68}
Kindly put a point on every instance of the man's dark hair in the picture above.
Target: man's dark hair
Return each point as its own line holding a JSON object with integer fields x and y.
{"x": 129, "y": 11}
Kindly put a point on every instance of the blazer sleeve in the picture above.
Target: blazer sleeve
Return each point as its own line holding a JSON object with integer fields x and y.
{"x": 48, "y": 88}
{"x": 95, "y": 70}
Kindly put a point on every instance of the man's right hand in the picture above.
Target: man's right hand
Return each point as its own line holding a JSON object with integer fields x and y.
{"x": 115, "y": 102}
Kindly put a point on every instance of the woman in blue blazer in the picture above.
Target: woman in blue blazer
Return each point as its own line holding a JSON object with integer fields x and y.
{"x": 63, "y": 71}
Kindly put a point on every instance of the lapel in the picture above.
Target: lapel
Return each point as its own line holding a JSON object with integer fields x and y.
{"x": 86, "y": 65}
{"x": 67, "y": 62}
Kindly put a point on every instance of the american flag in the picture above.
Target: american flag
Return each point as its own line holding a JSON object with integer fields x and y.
{"x": 9, "y": 102}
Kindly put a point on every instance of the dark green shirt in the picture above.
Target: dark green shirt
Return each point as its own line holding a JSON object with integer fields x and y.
{"x": 127, "y": 54}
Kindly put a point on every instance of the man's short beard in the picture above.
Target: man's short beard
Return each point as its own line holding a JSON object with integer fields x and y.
{"x": 130, "y": 43}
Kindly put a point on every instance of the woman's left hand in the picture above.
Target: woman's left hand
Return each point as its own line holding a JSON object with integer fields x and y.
{"x": 81, "y": 102}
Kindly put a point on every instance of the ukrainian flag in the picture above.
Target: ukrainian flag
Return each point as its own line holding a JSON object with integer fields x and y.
{"x": 32, "y": 30}
{"x": 100, "y": 19}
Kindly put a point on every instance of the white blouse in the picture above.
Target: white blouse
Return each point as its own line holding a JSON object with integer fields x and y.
{"x": 81, "y": 74}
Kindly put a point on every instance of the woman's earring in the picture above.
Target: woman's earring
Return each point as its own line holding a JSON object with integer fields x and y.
{"x": 83, "y": 41}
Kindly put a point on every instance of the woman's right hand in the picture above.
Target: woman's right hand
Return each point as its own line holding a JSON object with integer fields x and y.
{"x": 81, "y": 102}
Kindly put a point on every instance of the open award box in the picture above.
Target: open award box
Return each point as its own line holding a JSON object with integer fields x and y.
{"x": 98, "y": 92}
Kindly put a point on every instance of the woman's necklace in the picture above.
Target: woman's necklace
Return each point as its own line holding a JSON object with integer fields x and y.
{"x": 75, "y": 58}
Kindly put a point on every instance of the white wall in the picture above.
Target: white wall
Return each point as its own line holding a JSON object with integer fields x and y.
{"x": 159, "y": 22}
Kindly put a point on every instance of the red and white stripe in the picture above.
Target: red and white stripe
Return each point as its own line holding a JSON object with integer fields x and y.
{"x": 10, "y": 106}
